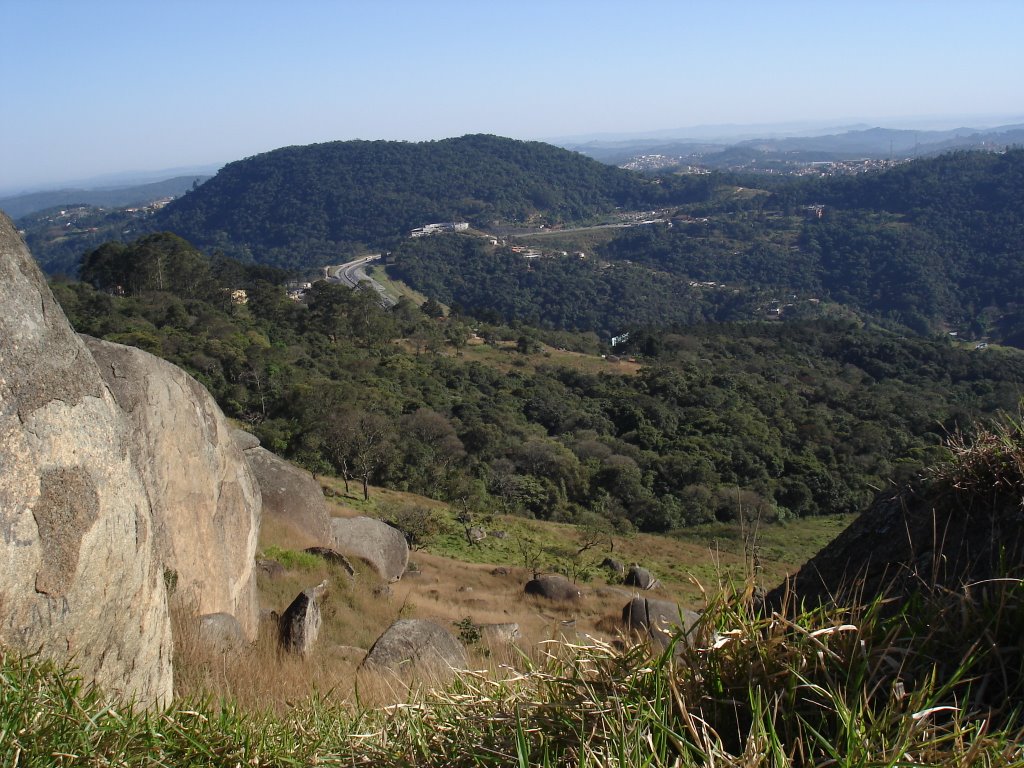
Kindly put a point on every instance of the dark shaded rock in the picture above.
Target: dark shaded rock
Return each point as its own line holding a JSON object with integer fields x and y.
{"x": 300, "y": 623}
{"x": 271, "y": 568}
{"x": 916, "y": 540}
{"x": 657, "y": 620}
{"x": 499, "y": 534}
{"x": 640, "y": 577}
{"x": 500, "y": 571}
{"x": 334, "y": 557}
{"x": 556, "y": 588}
{"x": 416, "y": 642}
{"x": 611, "y": 564}
{"x": 291, "y": 497}
{"x": 376, "y": 542}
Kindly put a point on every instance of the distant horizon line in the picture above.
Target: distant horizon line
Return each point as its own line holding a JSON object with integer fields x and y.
{"x": 724, "y": 131}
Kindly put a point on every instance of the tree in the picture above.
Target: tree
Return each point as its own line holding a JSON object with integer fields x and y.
{"x": 360, "y": 442}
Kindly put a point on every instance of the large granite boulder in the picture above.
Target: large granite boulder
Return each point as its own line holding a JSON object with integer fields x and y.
{"x": 205, "y": 499}
{"x": 80, "y": 579}
{"x": 291, "y": 497}
{"x": 378, "y": 543}
{"x": 416, "y": 642}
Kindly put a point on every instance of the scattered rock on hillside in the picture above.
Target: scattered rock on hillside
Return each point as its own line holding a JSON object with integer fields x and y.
{"x": 79, "y": 581}
{"x": 221, "y": 630}
{"x": 476, "y": 534}
{"x": 291, "y": 496}
{"x": 376, "y": 542}
{"x": 640, "y": 577}
{"x": 556, "y": 588}
{"x": 416, "y": 642}
{"x": 500, "y": 571}
{"x": 613, "y": 565}
{"x": 500, "y": 633}
{"x": 299, "y": 625}
{"x": 657, "y": 620}
{"x": 206, "y": 503}
{"x": 271, "y": 568}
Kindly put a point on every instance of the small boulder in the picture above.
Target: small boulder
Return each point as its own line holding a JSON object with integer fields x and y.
{"x": 376, "y": 542}
{"x": 641, "y": 578}
{"x": 221, "y": 631}
{"x": 416, "y": 642}
{"x": 657, "y": 620}
{"x": 500, "y": 571}
{"x": 245, "y": 440}
{"x": 500, "y": 633}
{"x": 611, "y": 564}
{"x": 300, "y": 622}
{"x": 556, "y": 588}
{"x": 499, "y": 534}
{"x": 476, "y": 534}
{"x": 270, "y": 568}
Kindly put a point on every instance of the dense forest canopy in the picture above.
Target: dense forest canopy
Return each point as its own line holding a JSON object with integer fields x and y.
{"x": 305, "y": 206}
{"x": 930, "y": 246}
{"x": 779, "y": 419}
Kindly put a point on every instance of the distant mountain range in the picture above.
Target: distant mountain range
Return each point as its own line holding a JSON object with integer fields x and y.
{"x": 854, "y": 143}
{"x": 17, "y": 206}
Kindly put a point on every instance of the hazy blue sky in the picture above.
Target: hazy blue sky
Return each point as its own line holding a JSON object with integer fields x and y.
{"x": 107, "y": 85}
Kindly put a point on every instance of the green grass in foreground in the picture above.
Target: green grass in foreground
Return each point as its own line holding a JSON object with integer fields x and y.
{"x": 940, "y": 685}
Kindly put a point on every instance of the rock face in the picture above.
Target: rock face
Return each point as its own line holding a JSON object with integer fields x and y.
{"x": 936, "y": 536}
{"x": 291, "y": 497}
{"x": 382, "y": 546}
{"x": 658, "y": 620}
{"x": 300, "y": 623}
{"x": 416, "y": 642}
{"x": 205, "y": 499}
{"x": 80, "y": 578}
{"x": 556, "y": 588}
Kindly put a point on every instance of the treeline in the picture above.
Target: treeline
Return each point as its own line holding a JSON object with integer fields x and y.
{"x": 774, "y": 420}
{"x": 303, "y": 206}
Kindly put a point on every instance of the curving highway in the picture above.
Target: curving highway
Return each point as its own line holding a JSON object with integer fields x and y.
{"x": 352, "y": 273}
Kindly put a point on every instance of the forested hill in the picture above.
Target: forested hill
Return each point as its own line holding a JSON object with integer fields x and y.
{"x": 303, "y": 206}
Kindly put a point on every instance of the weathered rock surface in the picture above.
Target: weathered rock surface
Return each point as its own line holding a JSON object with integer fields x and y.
{"x": 332, "y": 556}
{"x": 291, "y": 497}
{"x": 640, "y": 577}
{"x": 416, "y": 642}
{"x": 658, "y": 620}
{"x": 500, "y": 633}
{"x": 379, "y": 544}
{"x": 556, "y": 588}
{"x": 80, "y": 580}
{"x": 205, "y": 500}
{"x": 613, "y": 565}
{"x": 300, "y": 623}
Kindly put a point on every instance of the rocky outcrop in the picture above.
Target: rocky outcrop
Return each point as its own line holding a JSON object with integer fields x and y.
{"x": 80, "y": 579}
{"x": 939, "y": 536}
{"x": 557, "y": 588}
{"x": 205, "y": 499}
{"x": 291, "y": 497}
{"x": 417, "y": 642}
{"x": 379, "y": 544}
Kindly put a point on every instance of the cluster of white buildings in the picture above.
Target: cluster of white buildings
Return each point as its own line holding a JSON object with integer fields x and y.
{"x": 436, "y": 229}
